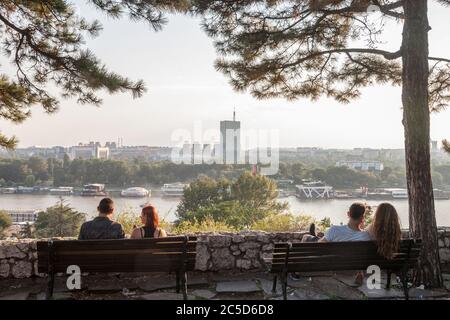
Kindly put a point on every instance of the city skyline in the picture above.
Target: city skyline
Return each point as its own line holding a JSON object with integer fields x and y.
{"x": 180, "y": 93}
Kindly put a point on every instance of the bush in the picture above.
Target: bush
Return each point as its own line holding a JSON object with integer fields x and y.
{"x": 59, "y": 220}
{"x": 283, "y": 223}
{"x": 5, "y": 222}
{"x": 206, "y": 225}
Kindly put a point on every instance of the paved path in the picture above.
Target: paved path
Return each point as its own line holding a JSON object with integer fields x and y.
{"x": 218, "y": 286}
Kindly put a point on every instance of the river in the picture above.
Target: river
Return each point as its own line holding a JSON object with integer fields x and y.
{"x": 334, "y": 209}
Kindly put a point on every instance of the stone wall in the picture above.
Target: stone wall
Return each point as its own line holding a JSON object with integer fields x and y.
{"x": 215, "y": 252}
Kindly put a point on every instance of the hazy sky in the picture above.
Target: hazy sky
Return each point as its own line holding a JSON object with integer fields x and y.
{"x": 183, "y": 87}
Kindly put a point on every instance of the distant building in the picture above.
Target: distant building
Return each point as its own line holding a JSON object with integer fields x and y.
{"x": 102, "y": 153}
{"x": 230, "y": 140}
{"x": 361, "y": 165}
{"x": 434, "y": 146}
{"x": 23, "y": 216}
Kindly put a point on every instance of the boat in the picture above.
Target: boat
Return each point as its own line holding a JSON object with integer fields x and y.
{"x": 8, "y": 190}
{"x": 398, "y": 193}
{"x": 25, "y": 190}
{"x": 93, "y": 190}
{"x": 173, "y": 189}
{"x": 135, "y": 192}
{"x": 314, "y": 190}
{"x": 62, "y": 191}
{"x": 441, "y": 195}
{"x": 342, "y": 195}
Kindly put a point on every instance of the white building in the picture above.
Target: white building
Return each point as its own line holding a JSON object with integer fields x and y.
{"x": 361, "y": 165}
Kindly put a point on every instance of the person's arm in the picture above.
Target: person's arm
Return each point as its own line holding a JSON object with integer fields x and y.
{"x": 323, "y": 239}
{"x": 136, "y": 234}
{"x": 162, "y": 233}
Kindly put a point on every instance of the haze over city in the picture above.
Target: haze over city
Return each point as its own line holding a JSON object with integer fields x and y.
{"x": 177, "y": 65}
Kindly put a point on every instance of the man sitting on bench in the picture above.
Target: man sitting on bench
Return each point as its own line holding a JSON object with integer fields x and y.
{"x": 350, "y": 232}
{"x": 102, "y": 227}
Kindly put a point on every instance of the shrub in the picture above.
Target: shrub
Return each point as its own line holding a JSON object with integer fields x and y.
{"x": 208, "y": 224}
{"x": 5, "y": 222}
{"x": 59, "y": 220}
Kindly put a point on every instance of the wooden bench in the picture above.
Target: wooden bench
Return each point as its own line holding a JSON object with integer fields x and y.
{"x": 171, "y": 254}
{"x": 335, "y": 256}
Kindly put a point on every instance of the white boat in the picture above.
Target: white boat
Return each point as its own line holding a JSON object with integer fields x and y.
{"x": 135, "y": 192}
{"x": 399, "y": 193}
{"x": 173, "y": 189}
{"x": 62, "y": 191}
{"x": 8, "y": 190}
{"x": 93, "y": 190}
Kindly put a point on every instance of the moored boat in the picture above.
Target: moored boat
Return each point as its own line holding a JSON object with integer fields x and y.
{"x": 135, "y": 192}
{"x": 93, "y": 190}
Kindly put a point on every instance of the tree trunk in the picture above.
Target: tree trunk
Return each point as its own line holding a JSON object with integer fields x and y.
{"x": 416, "y": 121}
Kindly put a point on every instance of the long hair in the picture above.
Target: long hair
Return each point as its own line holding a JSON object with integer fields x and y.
{"x": 387, "y": 231}
{"x": 151, "y": 216}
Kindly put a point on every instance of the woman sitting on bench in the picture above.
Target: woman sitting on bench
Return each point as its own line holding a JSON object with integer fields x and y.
{"x": 151, "y": 229}
{"x": 385, "y": 230}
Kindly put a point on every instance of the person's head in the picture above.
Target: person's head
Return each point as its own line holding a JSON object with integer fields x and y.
{"x": 149, "y": 217}
{"x": 106, "y": 206}
{"x": 356, "y": 212}
{"x": 386, "y": 229}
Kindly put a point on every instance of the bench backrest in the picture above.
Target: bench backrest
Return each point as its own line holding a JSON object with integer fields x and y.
{"x": 124, "y": 255}
{"x": 334, "y": 256}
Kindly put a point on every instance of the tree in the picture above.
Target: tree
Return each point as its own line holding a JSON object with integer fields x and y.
{"x": 239, "y": 204}
{"x": 59, "y": 220}
{"x": 5, "y": 222}
{"x": 44, "y": 40}
{"x": 314, "y": 48}
{"x": 203, "y": 193}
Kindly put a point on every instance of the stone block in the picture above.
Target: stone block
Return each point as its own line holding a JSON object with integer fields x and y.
{"x": 22, "y": 269}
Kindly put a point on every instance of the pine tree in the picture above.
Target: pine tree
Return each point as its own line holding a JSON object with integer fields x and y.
{"x": 314, "y": 48}
{"x": 44, "y": 42}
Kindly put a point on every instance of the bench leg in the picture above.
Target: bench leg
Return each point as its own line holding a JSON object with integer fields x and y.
{"x": 50, "y": 285}
{"x": 178, "y": 282}
{"x": 404, "y": 279}
{"x": 274, "y": 286}
{"x": 284, "y": 284}
{"x": 184, "y": 285}
{"x": 389, "y": 275}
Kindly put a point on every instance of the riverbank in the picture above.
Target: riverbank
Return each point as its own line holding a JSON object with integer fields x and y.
{"x": 334, "y": 209}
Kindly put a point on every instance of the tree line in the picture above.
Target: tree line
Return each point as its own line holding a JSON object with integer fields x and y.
{"x": 38, "y": 171}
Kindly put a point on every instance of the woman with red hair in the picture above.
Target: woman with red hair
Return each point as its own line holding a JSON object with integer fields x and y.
{"x": 151, "y": 229}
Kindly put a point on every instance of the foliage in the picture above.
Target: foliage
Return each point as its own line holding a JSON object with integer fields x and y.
{"x": 44, "y": 40}
{"x": 208, "y": 224}
{"x": 239, "y": 203}
{"x": 5, "y": 222}
{"x": 283, "y": 223}
{"x": 59, "y": 220}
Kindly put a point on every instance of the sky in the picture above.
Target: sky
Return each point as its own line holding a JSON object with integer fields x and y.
{"x": 186, "y": 92}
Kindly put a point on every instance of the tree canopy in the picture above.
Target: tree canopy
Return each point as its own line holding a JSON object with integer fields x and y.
{"x": 44, "y": 41}
{"x": 332, "y": 48}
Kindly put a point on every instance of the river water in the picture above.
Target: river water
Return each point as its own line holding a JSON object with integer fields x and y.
{"x": 334, "y": 209}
